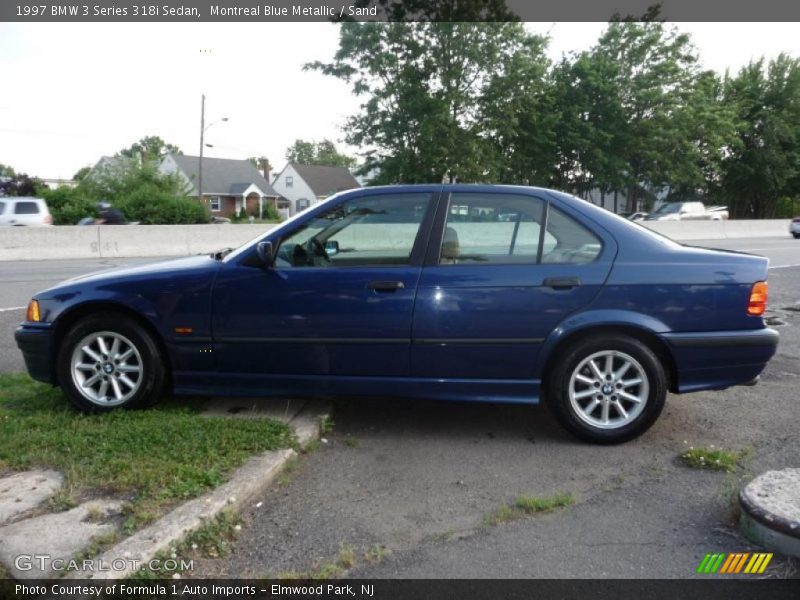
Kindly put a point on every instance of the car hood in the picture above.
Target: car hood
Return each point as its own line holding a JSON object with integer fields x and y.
{"x": 154, "y": 270}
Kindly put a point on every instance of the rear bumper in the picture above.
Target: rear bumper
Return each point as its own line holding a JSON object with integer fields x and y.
{"x": 36, "y": 345}
{"x": 720, "y": 359}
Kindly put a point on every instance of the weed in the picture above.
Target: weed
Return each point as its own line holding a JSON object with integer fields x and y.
{"x": 712, "y": 459}
{"x": 528, "y": 505}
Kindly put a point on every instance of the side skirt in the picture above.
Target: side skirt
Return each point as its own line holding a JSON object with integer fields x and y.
{"x": 248, "y": 385}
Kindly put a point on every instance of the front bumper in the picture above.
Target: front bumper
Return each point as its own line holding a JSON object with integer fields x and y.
{"x": 36, "y": 344}
{"x": 719, "y": 359}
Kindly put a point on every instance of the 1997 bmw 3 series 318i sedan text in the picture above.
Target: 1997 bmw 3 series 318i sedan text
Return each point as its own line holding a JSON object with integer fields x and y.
{"x": 456, "y": 292}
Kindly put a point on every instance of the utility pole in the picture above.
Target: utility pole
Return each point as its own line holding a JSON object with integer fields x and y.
{"x": 202, "y": 131}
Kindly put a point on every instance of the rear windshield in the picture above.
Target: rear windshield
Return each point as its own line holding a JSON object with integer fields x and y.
{"x": 26, "y": 208}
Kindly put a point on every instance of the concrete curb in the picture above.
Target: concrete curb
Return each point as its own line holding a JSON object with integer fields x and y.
{"x": 248, "y": 481}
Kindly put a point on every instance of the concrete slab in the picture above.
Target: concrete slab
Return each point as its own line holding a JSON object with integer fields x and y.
{"x": 21, "y": 492}
{"x": 53, "y": 536}
{"x": 771, "y": 510}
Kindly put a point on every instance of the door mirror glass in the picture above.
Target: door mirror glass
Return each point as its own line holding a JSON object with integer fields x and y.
{"x": 331, "y": 247}
{"x": 264, "y": 251}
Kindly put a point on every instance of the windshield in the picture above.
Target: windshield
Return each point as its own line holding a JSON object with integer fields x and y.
{"x": 669, "y": 208}
{"x": 286, "y": 223}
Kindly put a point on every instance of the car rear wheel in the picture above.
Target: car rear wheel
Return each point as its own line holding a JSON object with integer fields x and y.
{"x": 109, "y": 361}
{"x": 607, "y": 389}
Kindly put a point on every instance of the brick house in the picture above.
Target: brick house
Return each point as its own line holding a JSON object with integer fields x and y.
{"x": 230, "y": 187}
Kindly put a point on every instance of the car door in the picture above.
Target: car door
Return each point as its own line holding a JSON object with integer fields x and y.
{"x": 338, "y": 299}
{"x": 509, "y": 268}
{"x": 26, "y": 212}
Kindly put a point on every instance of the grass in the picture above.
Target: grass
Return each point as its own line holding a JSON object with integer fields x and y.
{"x": 345, "y": 560}
{"x": 325, "y": 424}
{"x": 154, "y": 458}
{"x": 528, "y": 505}
{"x": 212, "y": 540}
{"x": 351, "y": 442}
{"x": 712, "y": 459}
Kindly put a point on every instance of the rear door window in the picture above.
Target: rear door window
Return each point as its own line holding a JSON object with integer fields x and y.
{"x": 492, "y": 229}
{"x": 26, "y": 208}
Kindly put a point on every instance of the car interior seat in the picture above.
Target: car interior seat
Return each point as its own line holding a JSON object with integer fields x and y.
{"x": 450, "y": 246}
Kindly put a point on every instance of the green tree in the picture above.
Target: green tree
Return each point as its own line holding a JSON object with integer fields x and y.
{"x": 150, "y": 148}
{"x": 20, "y": 184}
{"x": 6, "y": 171}
{"x": 423, "y": 84}
{"x": 81, "y": 173}
{"x": 763, "y": 168}
{"x": 318, "y": 153}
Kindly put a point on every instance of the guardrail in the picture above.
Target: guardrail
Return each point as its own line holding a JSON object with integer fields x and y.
{"x": 132, "y": 241}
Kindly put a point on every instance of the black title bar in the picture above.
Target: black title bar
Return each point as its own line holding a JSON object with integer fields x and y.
{"x": 243, "y": 11}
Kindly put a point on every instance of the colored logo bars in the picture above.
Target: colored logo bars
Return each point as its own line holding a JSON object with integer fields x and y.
{"x": 734, "y": 563}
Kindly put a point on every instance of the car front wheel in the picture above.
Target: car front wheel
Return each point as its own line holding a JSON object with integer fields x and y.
{"x": 108, "y": 361}
{"x": 607, "y": 389}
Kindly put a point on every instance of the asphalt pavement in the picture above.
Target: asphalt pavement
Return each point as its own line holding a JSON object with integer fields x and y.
{"x": 418, "y": 479}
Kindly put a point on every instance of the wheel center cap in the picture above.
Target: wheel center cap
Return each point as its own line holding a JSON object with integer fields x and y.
{"x": 607, "y": 389}
{"x": 108, "y": 367}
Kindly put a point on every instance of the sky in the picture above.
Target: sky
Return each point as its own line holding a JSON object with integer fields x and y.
{"x": 73, "y": 92}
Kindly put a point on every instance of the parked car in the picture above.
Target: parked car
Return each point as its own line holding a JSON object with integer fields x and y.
{"x": 426, "y": 291}
{"x": 635, "y": 216}
{"x": 687, "y": 211}
{"x": 794, "y": 227}
{"x": 19, "y": 211}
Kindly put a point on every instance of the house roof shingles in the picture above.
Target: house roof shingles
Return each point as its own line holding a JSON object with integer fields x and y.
{"x": 223, "y": 175}
{"x": 325, "y": 181}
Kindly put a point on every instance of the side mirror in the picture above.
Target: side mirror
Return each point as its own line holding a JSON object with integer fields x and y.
{"x": 265, "y": 253}
{"x": 331, "y": 247}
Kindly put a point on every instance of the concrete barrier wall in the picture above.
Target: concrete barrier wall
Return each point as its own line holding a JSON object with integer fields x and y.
{"x": 719, "y": 230}
{"x": 47, "y": 243}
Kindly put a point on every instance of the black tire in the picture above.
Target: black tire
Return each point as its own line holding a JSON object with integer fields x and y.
{"x": 150, "y": 379}
{"x": 557, "y": 389}
{"x": 796, "y": 235}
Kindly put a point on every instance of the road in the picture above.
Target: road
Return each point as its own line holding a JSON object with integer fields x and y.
{"x": 420, "y": 478}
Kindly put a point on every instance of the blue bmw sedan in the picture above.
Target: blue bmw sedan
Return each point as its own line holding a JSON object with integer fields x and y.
{"x": 454, "y": 292}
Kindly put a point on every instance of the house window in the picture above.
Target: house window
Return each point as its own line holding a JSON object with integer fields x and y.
{"x": 302, "y": 204}
{"x": 289, "y": 181}
{"x": 215, "y": 203}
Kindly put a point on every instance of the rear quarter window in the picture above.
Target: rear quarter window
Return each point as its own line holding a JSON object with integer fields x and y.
{"x": 26, "y": 208}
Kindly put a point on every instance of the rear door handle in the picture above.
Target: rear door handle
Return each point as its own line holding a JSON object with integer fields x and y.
{"x": 386, "y": 286}
{"x": 561, "y": 283}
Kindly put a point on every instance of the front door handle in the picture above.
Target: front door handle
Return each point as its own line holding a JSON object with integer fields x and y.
{"x": 561, "y": 283}
{"x": 386, "y": 286}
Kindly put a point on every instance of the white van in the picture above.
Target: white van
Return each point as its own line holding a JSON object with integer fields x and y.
{"x": 18, "y": 211}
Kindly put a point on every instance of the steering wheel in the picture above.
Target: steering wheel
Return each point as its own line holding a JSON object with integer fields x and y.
{"x": 318, "y": 253}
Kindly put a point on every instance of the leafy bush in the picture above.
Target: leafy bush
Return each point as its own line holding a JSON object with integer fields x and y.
{"x": 142, "y": 193}
{"x": 69, "y": 205}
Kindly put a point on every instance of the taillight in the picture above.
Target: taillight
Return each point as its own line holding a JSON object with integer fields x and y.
{"x": 758, "y": 299}
{"x": 33, "y": 315}
{"x": 48, "y": 219}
